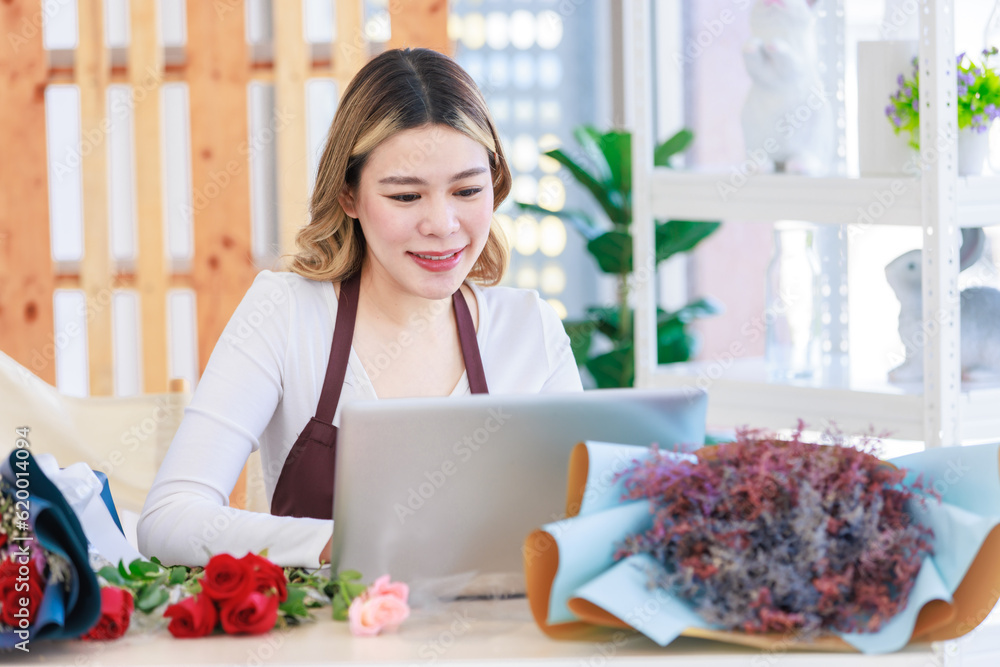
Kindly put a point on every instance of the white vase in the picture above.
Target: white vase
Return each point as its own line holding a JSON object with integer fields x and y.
{"x": 881, "y": 151}
{"x": 973, "y": 149}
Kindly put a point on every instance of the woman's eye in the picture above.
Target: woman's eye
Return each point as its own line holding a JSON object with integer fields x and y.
{"x": 468, "y": 192}
{"x": 405, "y": 198}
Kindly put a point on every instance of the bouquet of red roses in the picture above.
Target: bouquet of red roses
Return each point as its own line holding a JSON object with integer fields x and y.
{"x": 239, "y": 595}
{"x": 47, "y": 589}
{"x": 252, "y": 595}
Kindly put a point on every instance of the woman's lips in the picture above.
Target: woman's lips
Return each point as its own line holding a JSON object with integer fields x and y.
{"x": 438, "y": 261}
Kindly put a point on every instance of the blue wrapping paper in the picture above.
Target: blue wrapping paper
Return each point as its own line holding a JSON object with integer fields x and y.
{"x": 65, "y": 611}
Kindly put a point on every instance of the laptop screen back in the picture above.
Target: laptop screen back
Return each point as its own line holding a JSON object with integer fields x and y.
{"x": 431, "y": 488}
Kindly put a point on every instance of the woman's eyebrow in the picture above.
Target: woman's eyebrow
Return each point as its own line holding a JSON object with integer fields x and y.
{"x": 468, "y": 172}
{"x": 415, "y": 180}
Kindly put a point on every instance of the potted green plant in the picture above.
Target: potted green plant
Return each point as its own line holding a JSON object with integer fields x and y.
{"x": 978, "y": 105}
{"x": 606, "y": 173}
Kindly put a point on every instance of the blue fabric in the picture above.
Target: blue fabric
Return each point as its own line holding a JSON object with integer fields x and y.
{"x": 109, "y": 502}
{"x": 64, "y": 612}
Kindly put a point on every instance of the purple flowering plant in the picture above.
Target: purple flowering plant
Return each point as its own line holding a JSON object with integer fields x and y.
{"x": 770, "y": 534}
{"x": 978, "y": 97}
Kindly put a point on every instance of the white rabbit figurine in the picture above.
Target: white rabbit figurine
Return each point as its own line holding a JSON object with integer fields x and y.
{"x": 787, "y": 111}
{"x": 979, "y": 321}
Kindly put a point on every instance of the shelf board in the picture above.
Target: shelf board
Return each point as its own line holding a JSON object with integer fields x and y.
{"x": 689, "y": 195}
{"x": 739, "y": 393}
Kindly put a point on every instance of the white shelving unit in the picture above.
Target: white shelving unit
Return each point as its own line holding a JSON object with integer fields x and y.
{"x": 941, "y": 411}
{"x": 832, "y": 200}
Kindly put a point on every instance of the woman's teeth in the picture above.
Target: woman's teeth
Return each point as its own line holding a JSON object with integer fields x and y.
{"x": 436, "y": 257}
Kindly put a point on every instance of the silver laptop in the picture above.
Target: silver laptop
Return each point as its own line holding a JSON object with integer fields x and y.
{"x": 441, "y": 489}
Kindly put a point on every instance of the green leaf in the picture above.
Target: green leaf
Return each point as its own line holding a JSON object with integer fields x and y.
{"x": 294, "y": 605}
{"x": 150, "y": 597}
{"x": 671, "y": 147}
{"x": 143, "y": 569}
{"x": 704, "y": 307}
{"x": 613, "y": 369}
{"x": 124, "y": 572}
{"x": 339, "y": 609}
{"x": 349, "y": 575}
{"x": 678, "y": 350}
{"x": 614, "y": 211}
{"x": 579, "y": 220}
{"x": 178, "y": 575}
{"x": 590, "y": 141}
{"x": 613, "y": 251}
{"x": 111, "y": 575}
{"x": 617, "y": 149}
{"x": 673, "y": 343}
{"x": 331, "y": 588}
{"x": 608, "y": 321}
{"x": 581, "y": 333}
{"x": 353, "y": 590}
{"x": 676, "y": 236}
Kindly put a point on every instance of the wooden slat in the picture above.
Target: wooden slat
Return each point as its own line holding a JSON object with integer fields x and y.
{"x": 92, "y": 74}
{"x": 420, "y": 23}
{"x": 291, "y": 68}
{"x": 145, "y": 74}
{"x": 218, "y": 74}
{"x": 122, "y": 280}
{"x": 350, "y": 48}
{"x": 259, "y": 71}
{"x": 26, "y": 280}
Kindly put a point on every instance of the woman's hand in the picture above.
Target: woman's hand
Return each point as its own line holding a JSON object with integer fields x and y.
{"x": 324, "y": 556}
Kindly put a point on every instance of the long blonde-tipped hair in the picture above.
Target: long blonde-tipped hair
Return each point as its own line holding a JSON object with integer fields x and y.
{"x": 398, "y": 90}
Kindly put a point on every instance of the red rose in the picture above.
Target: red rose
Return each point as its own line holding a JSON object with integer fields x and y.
{"x": 116, "y": 612}
{"x": 252, "y": 615}
{"x": 14, "y": 602}
{"x": 192, "y": 617}
{"x": 3, "y": 539}
{"x": 226, "y": 578}
{"x": 268, "y": 576}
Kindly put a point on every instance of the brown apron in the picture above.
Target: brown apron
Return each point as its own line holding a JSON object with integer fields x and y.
{"x": 305, "y": 485}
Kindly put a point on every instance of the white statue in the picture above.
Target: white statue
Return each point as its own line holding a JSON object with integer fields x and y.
{"x": 979, "y": 321}
{"x": 787, "y": 112}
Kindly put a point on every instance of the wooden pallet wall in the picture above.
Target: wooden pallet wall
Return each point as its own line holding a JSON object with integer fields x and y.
{"x": 217, "y": 69}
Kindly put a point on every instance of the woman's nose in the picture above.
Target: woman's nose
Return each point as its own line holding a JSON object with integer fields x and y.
{"x": 440, "y": 218}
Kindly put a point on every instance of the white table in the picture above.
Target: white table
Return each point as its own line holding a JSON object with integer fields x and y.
{"x": 473, "y": 633}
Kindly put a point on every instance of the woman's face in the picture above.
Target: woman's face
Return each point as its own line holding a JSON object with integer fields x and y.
{"x": 425, "y": 201}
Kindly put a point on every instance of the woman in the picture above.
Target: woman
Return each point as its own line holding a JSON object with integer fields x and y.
{"x": 382, "y": 302}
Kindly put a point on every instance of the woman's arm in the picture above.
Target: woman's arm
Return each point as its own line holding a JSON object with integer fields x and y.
{"x": 186, "y": 518}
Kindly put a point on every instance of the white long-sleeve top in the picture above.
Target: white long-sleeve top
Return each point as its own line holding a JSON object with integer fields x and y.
{"x": 262, "y": 385}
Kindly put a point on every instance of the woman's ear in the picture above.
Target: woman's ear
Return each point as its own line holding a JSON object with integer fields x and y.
{"x": 347, "y": 203}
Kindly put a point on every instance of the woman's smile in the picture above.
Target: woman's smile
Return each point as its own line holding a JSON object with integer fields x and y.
{"x": 445, "y": 261}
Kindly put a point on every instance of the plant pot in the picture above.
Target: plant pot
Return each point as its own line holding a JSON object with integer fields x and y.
{"x": 973, "y": 149}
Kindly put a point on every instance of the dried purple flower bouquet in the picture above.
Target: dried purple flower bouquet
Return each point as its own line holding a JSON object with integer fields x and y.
{"x": 779, "y": 535}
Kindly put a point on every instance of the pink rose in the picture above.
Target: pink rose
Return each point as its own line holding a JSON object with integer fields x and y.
{"x": 370, "y": 617}
{"x": 382, "y": 586}
{"x": 382, "y": 607}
